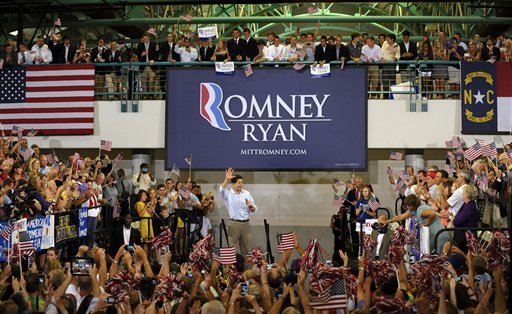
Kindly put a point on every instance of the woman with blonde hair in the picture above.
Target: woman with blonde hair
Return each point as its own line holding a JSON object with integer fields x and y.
{"x": 473, "y": 54}
{"x": 440, "y": 72}
{"x": 506, "y": 53}
{"x": 33, "y": 167}
{"x": 220, "y": 54}
{"x": 467, "y": 216}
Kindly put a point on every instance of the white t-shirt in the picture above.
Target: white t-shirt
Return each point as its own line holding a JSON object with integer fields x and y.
{"x": 455, "y": 201}
{"x": 207, "y": 225}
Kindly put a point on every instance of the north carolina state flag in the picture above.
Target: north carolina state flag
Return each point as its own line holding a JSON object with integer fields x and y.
{"x": 486, "y": 97}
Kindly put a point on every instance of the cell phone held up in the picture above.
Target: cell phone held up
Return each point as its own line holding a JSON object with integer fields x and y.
{"x": 80, "y": 266}
{"x": 244, "y": 287}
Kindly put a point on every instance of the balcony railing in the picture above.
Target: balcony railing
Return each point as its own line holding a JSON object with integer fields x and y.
{"x": 413, "y": 81}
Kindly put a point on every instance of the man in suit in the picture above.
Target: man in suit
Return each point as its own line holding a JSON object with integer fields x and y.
{"x": 341, "y": 51}
{"x": 206, "y": 51}
{"x": 146, "y": 51}
{"x": 55, "y": 45}
{"x": 237, "y": 47}
{"x": 353, "y": 195}
{"x": 324, "y": 52}
{"x": 9, "y": 56}
{"x": 167, "y": 52}
{"x": 408, "y": 51}
{"x": 67, "y": 52}
{"x": 252, "y": 49}
{"x": 382, "y": 236}
{"x": 24, "y": 55}
{"x": 113, "y": 74}
{"x": 98, "y": 56}
{"x": 124, "y": 235}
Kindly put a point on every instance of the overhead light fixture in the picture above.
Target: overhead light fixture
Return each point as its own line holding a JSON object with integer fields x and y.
{"x": 14, "y": 33}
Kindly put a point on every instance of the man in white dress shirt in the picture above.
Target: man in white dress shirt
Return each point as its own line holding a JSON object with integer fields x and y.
{"x": 275, "y": 51}
{"x": 240, "y": 204}
{"x": 41, "y": 54}
{"x": 186, "y": 51}
{"x": 372, "y": 53}
{"x": 292, "y": 52}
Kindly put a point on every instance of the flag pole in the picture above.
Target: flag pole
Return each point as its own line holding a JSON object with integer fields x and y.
{"x": 115, "y": 164}
{"x": 9, "y": 245}
{"x": 190, "y": 168}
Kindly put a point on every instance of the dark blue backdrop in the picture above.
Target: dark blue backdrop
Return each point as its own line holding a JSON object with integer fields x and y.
{"x": 276, "y": 119}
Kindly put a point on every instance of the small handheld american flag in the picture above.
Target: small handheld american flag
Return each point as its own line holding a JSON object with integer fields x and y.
{"x": 118, "y": 158}
{"x": 489, "y": 150}
{"x": 334, "y": 297}
{"x": 106, "y": 145}
{"x": 285, "y": 241}
{"x": 32, "y": 133}
{"x": 188, "y": 160}
{"x": 184, "y": 192}
{"x": 373, "y": 204}
{"x": 26, "y": 152}
{"x": 224, "y": 255}
{"x": 473, "y": 152}
{"x": 175, "y": 171}
{"x": 337, "y": 182}
{"x": 338, "y": 200}
{"x": 186, "y": 17}
{"x": 6, "y": 232}
{"x": 248, "y": 70}
{"x": 312, "y": 9}
{"x": 395, "y": 156}
{"x": 76, "y": 157}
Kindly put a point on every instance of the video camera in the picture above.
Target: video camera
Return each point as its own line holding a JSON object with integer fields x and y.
{"x": 381, "y": 228}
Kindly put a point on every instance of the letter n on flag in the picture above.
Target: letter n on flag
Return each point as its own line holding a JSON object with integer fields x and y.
{"x": 486, "y": 97}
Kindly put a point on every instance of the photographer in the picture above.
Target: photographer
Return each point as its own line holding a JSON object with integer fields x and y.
{"x": 144, "y": 179}
{"x": 208, "y": 204}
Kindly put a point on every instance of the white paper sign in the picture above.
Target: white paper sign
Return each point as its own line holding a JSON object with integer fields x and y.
{"x": 48, "y": 238}
{"x": 207, "y": 32}
{"x": 20, "y": 225}
{"x": 367, "y": 226}
{"x": 320, "y": 71}
{"x": 227, "y": 68}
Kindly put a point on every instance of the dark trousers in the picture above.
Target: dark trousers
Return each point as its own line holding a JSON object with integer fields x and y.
{"x": 91, "y": 229}
{"x": 388, "y": 78}
{"x": 354, "y": 235}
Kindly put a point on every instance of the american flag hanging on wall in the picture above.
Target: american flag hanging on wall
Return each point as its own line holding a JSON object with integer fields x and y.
{"x": 53, "y": 99}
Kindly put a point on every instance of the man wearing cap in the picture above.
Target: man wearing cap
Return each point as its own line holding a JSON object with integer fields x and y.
{"x": 431, "y": 183}
{"x": 240, "y": 204}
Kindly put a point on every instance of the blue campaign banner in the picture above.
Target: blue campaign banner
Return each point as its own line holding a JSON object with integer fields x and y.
{"x": 82, "y": 222}
{"x": 479, "y": 111}
{"x": 276, "y": 119}
{"x": 35, "y": 231}
{"x": 4, "y": 244}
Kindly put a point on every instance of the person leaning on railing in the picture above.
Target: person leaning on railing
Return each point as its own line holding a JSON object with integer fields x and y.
{"x": 506, "y": 54}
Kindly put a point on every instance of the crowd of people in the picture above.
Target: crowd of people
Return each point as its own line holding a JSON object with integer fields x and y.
{"x": 152, "y": 258}
{"x": 144, "y": 265}
{"x": 439, "y": 81}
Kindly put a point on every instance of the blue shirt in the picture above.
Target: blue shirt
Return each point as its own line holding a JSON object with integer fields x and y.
{"x": 236, "y": 203}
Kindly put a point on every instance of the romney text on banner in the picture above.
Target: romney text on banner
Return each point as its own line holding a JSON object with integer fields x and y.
{"x": 53, "y": 99}
{"x": 275, "y": 119}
